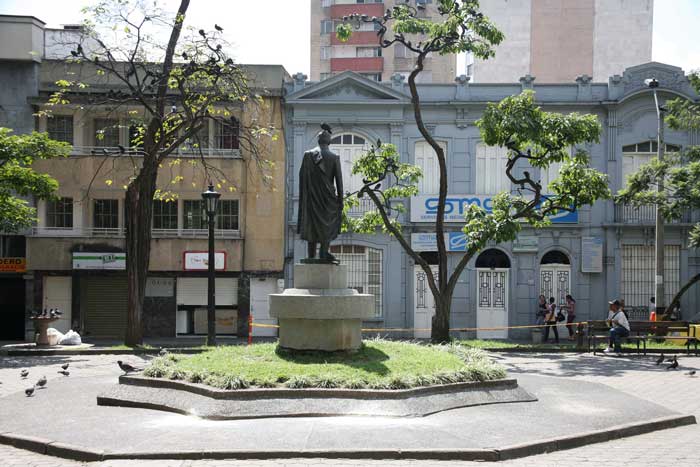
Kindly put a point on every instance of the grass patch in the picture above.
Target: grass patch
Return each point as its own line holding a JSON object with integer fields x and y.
{"x": 131, "y": 347}
{"x": 379, "y": 364}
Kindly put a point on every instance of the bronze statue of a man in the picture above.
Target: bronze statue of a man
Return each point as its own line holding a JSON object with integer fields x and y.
{"x": 320, "y": 197}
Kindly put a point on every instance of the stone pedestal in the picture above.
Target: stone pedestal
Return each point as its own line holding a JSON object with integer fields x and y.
{"x": 42, "y": 326}
{"x": 321, "y": 312}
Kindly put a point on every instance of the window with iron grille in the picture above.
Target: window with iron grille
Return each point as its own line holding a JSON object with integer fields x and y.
{"x": 106, "y": 214}
{"x": 227, "y": 214}
{"x": 226, "y": 135}
{"x": 194, "y": 216}
{"x": 60, "y": 128}
{"x": 365, "y": 271}
{"x": 164, "y": 214}
{"x": 639, "y": 269}
{"x": 59, "y": 213}
{"x": 106, "y": 132}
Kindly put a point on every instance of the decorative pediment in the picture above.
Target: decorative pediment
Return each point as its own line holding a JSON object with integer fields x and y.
{"x": 348, "y": 86}
{"x": 669, "y": 77}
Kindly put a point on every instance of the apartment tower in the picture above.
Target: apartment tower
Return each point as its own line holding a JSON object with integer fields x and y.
{"x": 362, "y": 52}
{"x": 557, "y": 41}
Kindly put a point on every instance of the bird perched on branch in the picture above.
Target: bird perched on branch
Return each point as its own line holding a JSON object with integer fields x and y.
{"x": 218, "y": 28}
{"x": 661, "y": 359}
{"x": 674, "y": 364}
{"x": 126, "y": 368}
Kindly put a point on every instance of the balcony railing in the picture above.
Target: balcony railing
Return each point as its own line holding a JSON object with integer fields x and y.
{"x": 182, "y": 151}
{"x": 366, "y": 204}
{"x": 644, "y": 215}
{"x": 119, "y": 233}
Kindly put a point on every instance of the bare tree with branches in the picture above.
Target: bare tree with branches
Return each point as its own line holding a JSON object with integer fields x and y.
{"x": 171, "y": 81}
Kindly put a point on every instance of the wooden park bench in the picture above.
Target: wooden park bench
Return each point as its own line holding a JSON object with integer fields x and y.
{"x": 641, "y": 331}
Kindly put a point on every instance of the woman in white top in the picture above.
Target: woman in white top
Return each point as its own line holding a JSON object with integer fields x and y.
{"x": 620, "y": 327}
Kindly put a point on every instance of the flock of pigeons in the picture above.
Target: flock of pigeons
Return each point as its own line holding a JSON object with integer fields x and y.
{"x": 46, "y": 314}
{"x": 673, "y": 365}
{"x": 41, "y": 382}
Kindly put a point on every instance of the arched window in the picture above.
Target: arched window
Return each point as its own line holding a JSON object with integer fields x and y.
{"x": 493, "y": 258}
{"x": 555, "y": 257}
{"x": 365, "y": 271}
{"x": 636, "y": 155}
{"x": 349, "y": 147}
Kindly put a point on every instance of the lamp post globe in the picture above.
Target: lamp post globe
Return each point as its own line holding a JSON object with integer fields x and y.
{"x": 211, "y": 198}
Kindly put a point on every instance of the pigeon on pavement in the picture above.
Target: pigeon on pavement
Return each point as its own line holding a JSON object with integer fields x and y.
{"x": 24, "y": 373}
{"x": 661, "y": 359}
{"x": 691, "y": 373}
{"x": 42, "y": 382}
{"x": 126, "y": 368}
{"x": 673, "y": 364}
{"x": 64, "y": 372}
{"x": 29, "y": 391}
{"x": 65, "y": 366}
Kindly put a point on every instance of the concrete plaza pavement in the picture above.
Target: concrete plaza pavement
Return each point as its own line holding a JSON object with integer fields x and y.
{"x": 636, "y": 376}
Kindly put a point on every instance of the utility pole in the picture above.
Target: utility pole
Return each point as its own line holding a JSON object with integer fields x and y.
{"x": 660, "y": 298}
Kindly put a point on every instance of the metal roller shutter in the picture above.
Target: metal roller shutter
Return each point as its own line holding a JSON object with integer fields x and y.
{"x": 105, "y": 306}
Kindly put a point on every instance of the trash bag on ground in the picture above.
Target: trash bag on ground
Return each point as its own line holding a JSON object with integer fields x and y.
{"x": 54, "y": 336}
{"x": 71, "y": 338}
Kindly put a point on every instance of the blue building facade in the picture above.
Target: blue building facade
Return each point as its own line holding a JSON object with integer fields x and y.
{"x": 601, "y": 252}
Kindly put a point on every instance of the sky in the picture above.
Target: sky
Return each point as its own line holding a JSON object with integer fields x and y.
{"x": 280, "y": 34}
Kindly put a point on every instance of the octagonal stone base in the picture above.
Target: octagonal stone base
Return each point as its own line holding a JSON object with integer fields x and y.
{"x": 321, "y": 312}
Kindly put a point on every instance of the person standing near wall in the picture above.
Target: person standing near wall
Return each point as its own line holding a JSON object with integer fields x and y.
{"x": 570, "y": 315}
{"x": 551, "y": 321}
{"x": 541, "y": 310}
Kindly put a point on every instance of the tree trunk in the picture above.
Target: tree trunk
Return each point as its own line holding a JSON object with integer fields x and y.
{"x": 139, "y": 207}
{"x": 676, "y": 302}
{"x": 440, "y": 331}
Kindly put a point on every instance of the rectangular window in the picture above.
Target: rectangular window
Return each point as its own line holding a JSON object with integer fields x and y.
{"x": 365, "y": 271}
{"x": 59, "y": 213}
{"x": 60, "y": 128}
{"x": 427, "y": 160}
{"x": 326, "y": 26}
{"x": 106, "y": 132}
{"x": 227, "y": 214}
{"x": 194, "y": 216}
{"x": 106, "y": 214}
{"x": 373, "y": 76}
{"x": 324, "y": 76}
{"x": 638, "y": 271}
{"x": 491, "y": 175}
{"x": 326, "y": 3}
{"x": 164, "y": 214}
{"x": 226, "y": 134}
{"x": 136, "y": 136}
{"x": 369, "y": 51}
{"x": 400, "y": 51}
{"x": 325, "y": 53}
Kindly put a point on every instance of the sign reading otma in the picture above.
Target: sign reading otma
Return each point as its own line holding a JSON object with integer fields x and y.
{"x": 424, "y": 208}
{"x": 84, "y": 260}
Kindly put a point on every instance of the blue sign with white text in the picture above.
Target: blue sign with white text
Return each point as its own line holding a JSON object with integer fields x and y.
{"x": 424, "y": 208}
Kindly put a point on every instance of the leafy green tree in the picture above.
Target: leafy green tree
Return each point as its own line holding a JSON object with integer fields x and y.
{"x": 18, "y": 179}
{"x": 517, "y": 123}
{"x": 680, "y": 173}
{"x": 138, "y": 59}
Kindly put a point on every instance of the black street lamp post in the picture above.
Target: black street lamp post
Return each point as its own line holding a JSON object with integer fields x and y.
{"x": 211, "y": 198}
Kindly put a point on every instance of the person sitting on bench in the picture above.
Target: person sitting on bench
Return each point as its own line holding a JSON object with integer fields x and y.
{"x": 619, "y": 327}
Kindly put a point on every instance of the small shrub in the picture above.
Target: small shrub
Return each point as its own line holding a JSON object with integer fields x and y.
{"x": 298, "y": 382}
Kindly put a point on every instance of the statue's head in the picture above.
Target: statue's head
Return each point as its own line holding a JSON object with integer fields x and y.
{"x": 324, "y": 136}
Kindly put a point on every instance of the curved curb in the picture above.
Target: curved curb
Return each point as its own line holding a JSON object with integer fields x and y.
{"x": 67, "y": 451}
{"x": 266, "y": 393}
{"x": 218, "y": 404}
